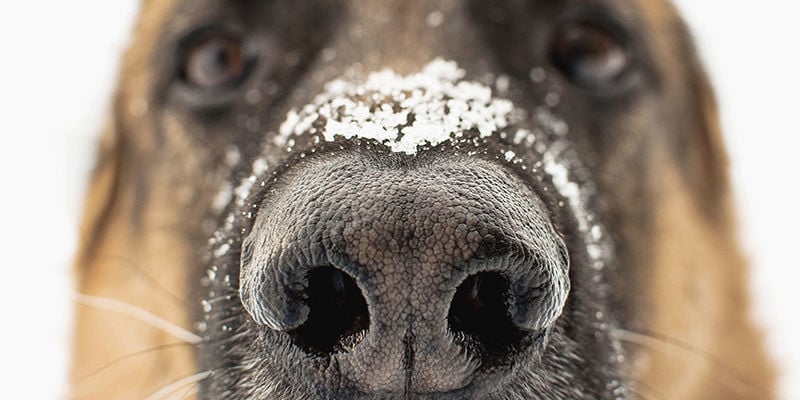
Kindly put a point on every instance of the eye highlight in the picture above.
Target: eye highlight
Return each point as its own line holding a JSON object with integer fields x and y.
{"x": 591, "y": 54}
{"x": 215, "y": 61}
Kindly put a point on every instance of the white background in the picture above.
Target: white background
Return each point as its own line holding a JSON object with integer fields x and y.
{"x": 58, "y": 61}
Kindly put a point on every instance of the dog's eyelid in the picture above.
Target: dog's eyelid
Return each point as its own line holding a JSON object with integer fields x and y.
{"x": 214, "y": 62}
{"x": 592, "y": 51}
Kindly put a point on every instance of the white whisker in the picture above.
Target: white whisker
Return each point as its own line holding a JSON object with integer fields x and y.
{"x": 644, "y": 391}
{"x": 177, "y": 385}
{"x": 138, "y": 313}
{"x": 647, "y": 341}
{"x": 680, "y": 351}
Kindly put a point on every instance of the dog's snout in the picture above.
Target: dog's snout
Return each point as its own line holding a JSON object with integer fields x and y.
{"x": 413, "y": 277}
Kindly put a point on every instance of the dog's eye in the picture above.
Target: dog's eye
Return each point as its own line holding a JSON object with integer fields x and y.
{"x": 590, "y": 54}
{"x": 215, "y": 61}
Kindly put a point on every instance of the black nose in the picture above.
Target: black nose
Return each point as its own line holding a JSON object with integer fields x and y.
{"x": 414, "y": 277}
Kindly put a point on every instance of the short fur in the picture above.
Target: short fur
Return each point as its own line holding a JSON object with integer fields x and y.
{"x": 677, "y": 295}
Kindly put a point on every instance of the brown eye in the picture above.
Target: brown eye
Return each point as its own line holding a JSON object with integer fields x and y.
{"x": 590, "y": 54}
{"x": 215, "y": 62}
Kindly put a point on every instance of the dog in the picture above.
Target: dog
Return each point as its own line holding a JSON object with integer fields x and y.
{"x": 413, "y": 200}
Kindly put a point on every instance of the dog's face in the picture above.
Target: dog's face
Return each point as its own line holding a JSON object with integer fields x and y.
{"x": 416, "y": 200}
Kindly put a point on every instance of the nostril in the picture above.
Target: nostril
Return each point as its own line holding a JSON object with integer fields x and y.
{"x": 479, "y": 315}
{"x": 338, "y": 314}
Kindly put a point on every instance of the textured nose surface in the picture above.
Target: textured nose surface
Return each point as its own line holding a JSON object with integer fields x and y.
{"x": 412, "y": 276}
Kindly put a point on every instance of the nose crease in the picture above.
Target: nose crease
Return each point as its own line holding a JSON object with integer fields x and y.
{"x": 408, "y": 360}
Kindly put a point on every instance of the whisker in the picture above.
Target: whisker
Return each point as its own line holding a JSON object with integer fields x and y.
{"x": 132, "y": 355}
{"x": 678, "y": 349}
{"x": 145, "y": 316}
{"x": 140, "y": 272}
{"x": 644, "y": 391}
{"x": 177, "y": 385}
{"x": 638, "y": 394}
{"x": 192, "y": 390}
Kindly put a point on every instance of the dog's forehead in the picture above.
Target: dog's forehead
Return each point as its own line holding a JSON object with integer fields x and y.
{"x": 375, "y": 33}
{"x": 400, "y": 34}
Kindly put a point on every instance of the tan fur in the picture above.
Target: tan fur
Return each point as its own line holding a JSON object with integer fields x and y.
{"x": 116, "y": 260}
{"x": 696, "y": 285}
{"x": 705, "y": 346}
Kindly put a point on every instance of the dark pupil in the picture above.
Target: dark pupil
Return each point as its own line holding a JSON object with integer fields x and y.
{"x": 589, "y": 54}
{"x": 215, "y": 62}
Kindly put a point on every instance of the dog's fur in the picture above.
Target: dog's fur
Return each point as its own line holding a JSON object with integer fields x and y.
{"x": 678, "y": 290}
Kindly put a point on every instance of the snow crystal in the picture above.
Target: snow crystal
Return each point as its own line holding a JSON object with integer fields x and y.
{"x": 435, "y": 19}
{"x": 232, "y": 156}
{"x": 552, "y": 99}
{"x": 245, "y": 186}
{"x": 537, "y": 75}
{"x": 223, "y": 197}
{"x": 442, "y": 104}
{"x": 221, "y": 251}
{"x": 253, "y": 96}
{"x": 502, "y": 83}
{"x": 576, "y": 196}
{"x": 259, "y": 166}
{"x": 243, "y": 190}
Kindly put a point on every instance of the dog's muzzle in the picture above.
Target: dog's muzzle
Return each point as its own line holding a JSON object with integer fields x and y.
{"x": 415, "y": 269}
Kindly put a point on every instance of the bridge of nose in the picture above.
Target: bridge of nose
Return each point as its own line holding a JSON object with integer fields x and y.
{"x": 411, "y": 235}
{"x": 430, "y": 29}
{"x": 415, "y": 228}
